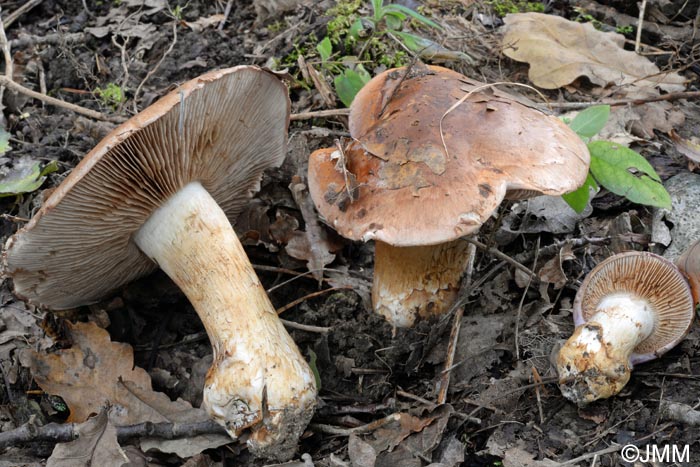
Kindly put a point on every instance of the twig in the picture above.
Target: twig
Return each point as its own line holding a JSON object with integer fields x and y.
{"x": 538, "y": 379}
{"x": 460, "y": 415}
{"x": 306, "y": 327}
{"x": 638, "y": 39}
{"x": 25, "y": 40}
{"x": 155, "y": 68}
{"x": 61, "y": 433}
{"x": 227, "y": 11}
{"x": 522, "y": 301}
{"x": 8, "y": 66}
{"x": 500, "y": 255}
{"x": 12, "y": 17}
{"x": 444, "y": 382}
{"x": 665, "y": 97}
{"x": 57, "y": 102}
{"x": 368, "y": 428}
{"x": 320, "y": 114}
{"x": 612, "y": 449}
{"x": 294, "y": 303}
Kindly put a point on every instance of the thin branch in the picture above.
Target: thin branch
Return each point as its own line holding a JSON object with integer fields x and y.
{"x": 4, "y": 81}
{"x": 306, "y": 327}
{"x": 500, "y": 255}
{"x": 155, "y": 68}
{"x": 64, "y": 432}
{"x": 12, "y": 17}
{"x": 665, "y": 97}
{"x": 320, "y": 114}
{"x": 8, "y": 66}
{"x": 299, "y": 300}
{"x": 368, "y": 428}
{"x": 227, "y": 11}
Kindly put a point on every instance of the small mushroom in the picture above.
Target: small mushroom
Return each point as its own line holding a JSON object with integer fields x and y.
{"x": 425, "y": 169}
{"x": 160, "y": 191}
{"x": 631, "y": 308}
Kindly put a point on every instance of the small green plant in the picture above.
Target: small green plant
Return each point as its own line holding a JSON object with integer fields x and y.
{"x": 614, "y": 167}
{"x": 111, "y": 95}
{"x": 355, "y": 40}
{"x": 348, "y": 76}
{"x": 626, "y": 30}
{"x": 504, "y": 7}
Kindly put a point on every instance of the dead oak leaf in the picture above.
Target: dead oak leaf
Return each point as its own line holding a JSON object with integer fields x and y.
{"x": 86, "y": 375}
{"x": 559, "y": 51}
{"x": 96, "y": 445}
{"x": 96, "y": 372}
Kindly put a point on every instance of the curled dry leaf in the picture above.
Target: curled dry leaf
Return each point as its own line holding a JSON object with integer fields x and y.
{"x": 205, "y": 22}
{"x": 96, "y": 372}
{"x": 690, "y": 148}
{"x": 552, "y": 271}
{"x": 96, "y": 445}
{"x": 559, "y": 51}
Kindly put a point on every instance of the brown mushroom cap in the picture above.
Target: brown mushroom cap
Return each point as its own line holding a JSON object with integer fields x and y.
{"x": 222, "y": 129}
{"x": 409, "y": 190}
{"x": 647, "y": 276}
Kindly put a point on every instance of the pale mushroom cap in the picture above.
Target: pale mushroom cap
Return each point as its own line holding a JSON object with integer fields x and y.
{"x": 647, "y": 276}
{"x": 222, "y": 129}
{"x": 689, "y": 264}
{"x": 407, "y": 180}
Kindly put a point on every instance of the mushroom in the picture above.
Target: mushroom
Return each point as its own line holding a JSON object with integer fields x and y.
{"x": 425, "y": 169}
{"x": 631, "y": 308}
{"x": 160, "y": 191}
{"x": 689, "y": 264}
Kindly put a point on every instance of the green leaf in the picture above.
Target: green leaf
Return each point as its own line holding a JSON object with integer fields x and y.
{"x": 325, "y": 49}
{"x": 26, "y": 180}
{"x": 626, "y": 173}
{"x": 378, "y": 10}
{"x": 4, "y": 141}
{"x": 578, "y": 200}
{"x": 394, "y": 20}
{"x": 415, "y": 15}
{"x": 356, "y": 29}
{"x": 429, "y": 50}
{"x": 590, "y": 121}
{"x": 349, "y": 84}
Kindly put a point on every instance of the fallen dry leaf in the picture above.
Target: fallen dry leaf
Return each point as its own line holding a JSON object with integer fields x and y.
{"x": 91, "y": 374}
{"x": 205, "y": 22}
{"x": 312, "y": 245}
{"x": 559, "y": 51}
{"x": 97, "y": 445}
{"x": 425, "y": 436}
{"x": 361, "y": 453}
{"x": 690, "y": 148}
{"x": 96, "y": 372}
{"x": 552, "y": 272}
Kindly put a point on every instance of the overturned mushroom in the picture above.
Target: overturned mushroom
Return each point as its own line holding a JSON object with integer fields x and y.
{"x": 160, "y": 191}
{"x": 420, "y": 174}
{"x": 631, "y": 308}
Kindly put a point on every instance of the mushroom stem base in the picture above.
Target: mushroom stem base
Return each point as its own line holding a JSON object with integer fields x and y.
{"x": 258, "y": 379}
{"x": 418, "y": 281}
{"x": 594, "y": 363}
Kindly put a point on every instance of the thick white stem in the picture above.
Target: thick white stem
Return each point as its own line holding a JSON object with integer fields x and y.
{"x": 595, "y": 361}
{"x": 258, "y": 379}
{"x": 418, "y": 281}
